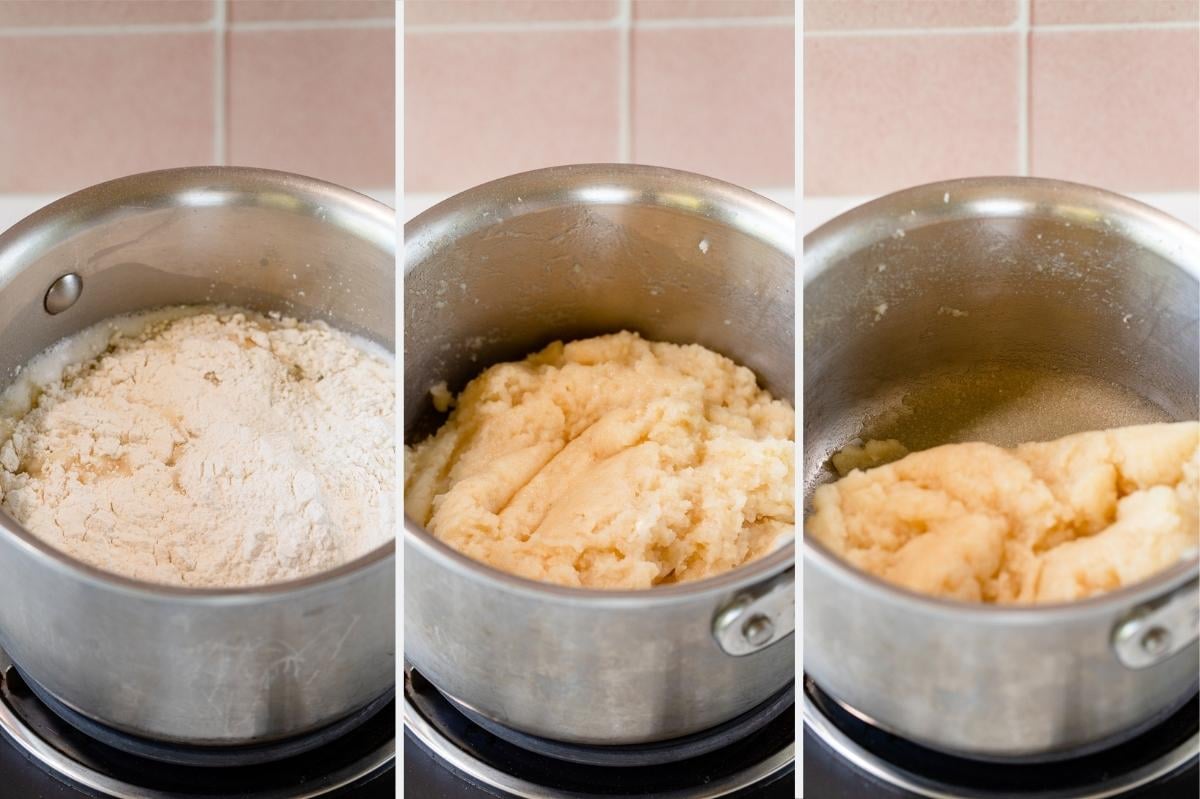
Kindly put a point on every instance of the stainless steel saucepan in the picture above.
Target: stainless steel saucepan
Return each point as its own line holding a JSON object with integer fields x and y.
{"x": 201, "y": 667}
{"x": 1056, "y": 307}
{"x": 562, "y": 253}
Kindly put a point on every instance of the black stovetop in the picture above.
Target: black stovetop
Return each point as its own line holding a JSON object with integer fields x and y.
{"x": 429, "y": 777}
{"x": 827, "y": 775}
{"x": 22, "y": 776}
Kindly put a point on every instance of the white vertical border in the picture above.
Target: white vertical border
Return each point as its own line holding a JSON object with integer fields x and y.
{"x": 624, "y": 81}
{"x": 798, "y": 136}
{"x": 220, "y": 88}
{"x": 1023, "y": 46}
{"x": 398, "y": 283}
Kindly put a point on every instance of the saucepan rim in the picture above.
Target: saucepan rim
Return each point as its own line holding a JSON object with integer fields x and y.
{"x": 206, "y": 185}
{"x": 599, "y": 184}
{"x": 997, "y": 197}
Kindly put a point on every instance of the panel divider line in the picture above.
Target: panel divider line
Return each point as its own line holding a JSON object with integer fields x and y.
{"x": 624, "y": 77}
{"x": 220, "y": 81}
{"x": 1023, "y": 78}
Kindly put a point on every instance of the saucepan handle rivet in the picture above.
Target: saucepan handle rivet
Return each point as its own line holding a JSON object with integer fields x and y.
{"x": 1159, "y": 629}
{"x": 63, "y": 293}
{"x": 757, "y": 630}
{"x": 1156, "y": 640}
{"x": 758, "y": 616}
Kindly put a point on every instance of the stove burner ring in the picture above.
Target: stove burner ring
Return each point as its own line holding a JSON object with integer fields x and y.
{"x": 671, "y": 751}
{"x": 365, "y": 753}
{"x": 1066, "y": 755}
{"x": 205, "y": 756}
{"x": 492, "y": 763}
{"x": 818, "y": 719}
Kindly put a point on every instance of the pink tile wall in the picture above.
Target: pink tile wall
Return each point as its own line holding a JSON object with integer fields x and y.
{"x": 496, "y": 88}
{"x": 318, "y": 102}
{"x": 261, "y": 10}
{"x": 698, "y": 114}
{"x": 96, "y": 89}
{"x": 435, "y": 12}
{"x": 61, "y": 13}
{"x": 1099, "y": 91}
{"x": 1053, "y": 12}
{"x": 1136, "y": 126}
{"x": 668, "y": 9}
{"x": 867, "y": 14}
{"x": 76, "y": 110}
{"x": 479, "y": 105}
{"x": 884, "y": 113}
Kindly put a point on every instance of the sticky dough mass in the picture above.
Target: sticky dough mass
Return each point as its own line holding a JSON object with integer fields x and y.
{"x": 1045, "y": 522}
{"x": 610, "y": 462}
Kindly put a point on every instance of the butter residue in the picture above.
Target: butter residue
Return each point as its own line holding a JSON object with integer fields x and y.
{"x": 867, "y": 456}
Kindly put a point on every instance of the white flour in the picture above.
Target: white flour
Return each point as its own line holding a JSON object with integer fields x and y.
{"x": 203, "y": 447}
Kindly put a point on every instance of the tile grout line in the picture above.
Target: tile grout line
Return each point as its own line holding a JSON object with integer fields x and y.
{"x": 624, "y": 81}
{"x": 1093, "y": 27}
{"x": 895, "y": 32}
{"x": 193, "y": 27}
{"x": 716, "y": 22}
{"x": 549, "y": 26}
{"x": 624, "y": 18}
{"x": 1023, "y": 26}
{"x": 1014, "y": 27}
{"x": 315, "y": 24}
{"x": 496, "y": 27}
{"x": 220, "y": 78}
{"x": 34, "y": 31}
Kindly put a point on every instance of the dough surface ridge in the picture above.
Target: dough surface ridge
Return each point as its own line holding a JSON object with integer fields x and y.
{"x": 609, "y": 462}
{"x": 1047, "y": 521}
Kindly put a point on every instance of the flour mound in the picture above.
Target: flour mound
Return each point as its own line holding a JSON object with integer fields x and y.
{"x": 219, "y": 449}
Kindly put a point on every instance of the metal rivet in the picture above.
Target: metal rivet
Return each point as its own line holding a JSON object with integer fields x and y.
{"x": 1156, "y": 640}
{"x": 63, "y": 293}
{"x": 757, "y": 630}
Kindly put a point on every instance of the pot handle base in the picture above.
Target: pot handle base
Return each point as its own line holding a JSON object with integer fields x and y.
{"x": 757, "y": 617}
{"x": 1157, "y": 630}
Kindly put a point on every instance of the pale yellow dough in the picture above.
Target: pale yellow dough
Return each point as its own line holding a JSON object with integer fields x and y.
{"x": 610, "y": 462}
{"x": 1045, "y": 522}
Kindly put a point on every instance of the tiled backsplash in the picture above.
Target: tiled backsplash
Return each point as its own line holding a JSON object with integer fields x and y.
{"x": 901, "y": 92}
{"x": 495, "y": 88}
{"x": 95, "y": 89}
{"x": 897, "y": 92}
